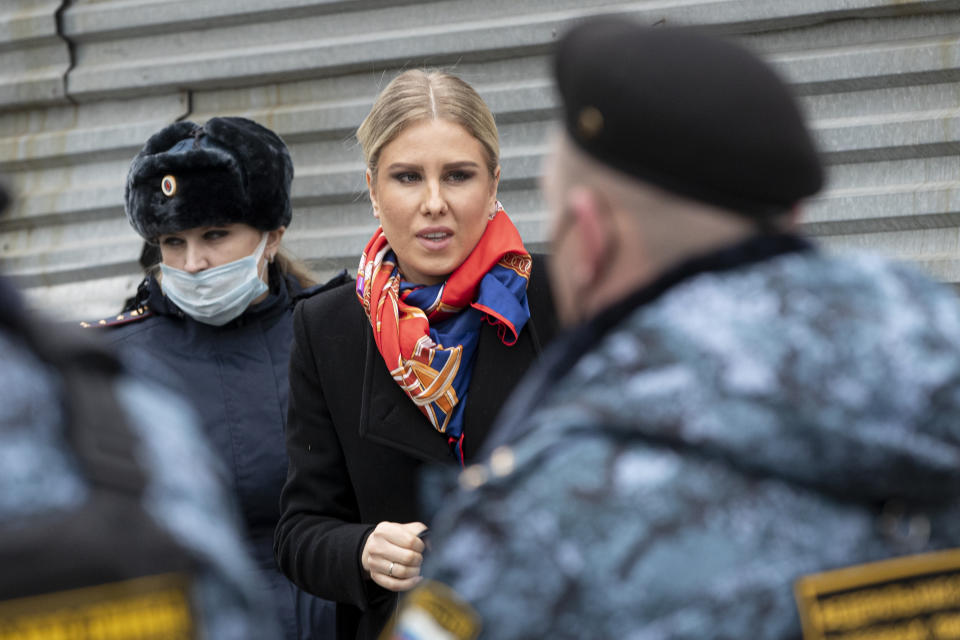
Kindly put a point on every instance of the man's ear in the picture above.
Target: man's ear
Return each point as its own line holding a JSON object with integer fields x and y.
{"x": 591, "y": 224}
{"x": 373, "y": 195}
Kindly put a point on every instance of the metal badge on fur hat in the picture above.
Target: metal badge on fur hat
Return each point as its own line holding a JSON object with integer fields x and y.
{"x": 228, "y": 170}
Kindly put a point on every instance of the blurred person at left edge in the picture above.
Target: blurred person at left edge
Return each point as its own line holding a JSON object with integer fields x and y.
{"x": 114, "y": 518}
{"x": 218, "y": 311}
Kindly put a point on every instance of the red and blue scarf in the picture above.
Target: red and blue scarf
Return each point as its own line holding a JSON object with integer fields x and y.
{"x": 428, "y": 335}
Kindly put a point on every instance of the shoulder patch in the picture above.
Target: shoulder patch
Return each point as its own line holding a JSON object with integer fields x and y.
{"x": 907, "y": 597}
{"x": 155, "y": 606}
{"x": 127, "y": 317}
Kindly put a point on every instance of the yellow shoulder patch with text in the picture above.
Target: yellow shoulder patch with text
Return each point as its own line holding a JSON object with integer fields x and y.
{"x": 910, "y": 598}
{"x": 433, "y": 611}
{"x": 150, "y": 608}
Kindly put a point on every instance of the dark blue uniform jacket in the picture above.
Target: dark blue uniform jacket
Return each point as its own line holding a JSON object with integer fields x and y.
{"x": 236, "y": 376}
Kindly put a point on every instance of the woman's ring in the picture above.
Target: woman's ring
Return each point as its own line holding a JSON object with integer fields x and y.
{"x": 390, "y": 570}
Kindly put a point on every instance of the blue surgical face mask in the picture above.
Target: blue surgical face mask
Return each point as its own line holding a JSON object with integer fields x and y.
{"x": 217, "y": 295}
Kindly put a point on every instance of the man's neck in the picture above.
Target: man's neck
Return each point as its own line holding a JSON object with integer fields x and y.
{"x": 649, "y": 280}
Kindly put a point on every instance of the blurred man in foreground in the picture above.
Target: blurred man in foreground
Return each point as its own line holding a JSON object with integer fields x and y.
{"x": 732, "y": 409}
{"x": 114, "y": 522}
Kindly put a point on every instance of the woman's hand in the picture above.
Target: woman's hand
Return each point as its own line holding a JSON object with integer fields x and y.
{"x": 393, "y": 554}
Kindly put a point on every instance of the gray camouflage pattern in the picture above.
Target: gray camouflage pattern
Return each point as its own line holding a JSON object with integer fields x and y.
{"x": 744, "y": 429}
{"x": 185, "y": 491}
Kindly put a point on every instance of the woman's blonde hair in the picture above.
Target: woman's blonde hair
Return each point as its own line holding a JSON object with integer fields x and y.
{"x": 417, "y": 95}
{"x": 288, "y": 264}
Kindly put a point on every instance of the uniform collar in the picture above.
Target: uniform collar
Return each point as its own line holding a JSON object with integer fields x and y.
{"x": 559, "y": 359}
{"x": 755, "y": 249}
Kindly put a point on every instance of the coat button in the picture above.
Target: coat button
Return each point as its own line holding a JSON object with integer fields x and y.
{"x": 473, "y": 477}
{"x": 502, "y": 461}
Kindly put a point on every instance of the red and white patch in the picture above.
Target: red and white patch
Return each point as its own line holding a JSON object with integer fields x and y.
{"x": 168, "y": 185}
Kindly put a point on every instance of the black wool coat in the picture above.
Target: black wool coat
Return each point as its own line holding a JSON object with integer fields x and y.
{"x": 356, "y": 442}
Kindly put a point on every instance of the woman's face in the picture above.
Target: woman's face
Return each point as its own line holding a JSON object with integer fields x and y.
{"x": 200, "y": 248}
{"x": 433, "y": 195}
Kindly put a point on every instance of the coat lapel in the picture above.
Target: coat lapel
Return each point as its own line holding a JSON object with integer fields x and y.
{"x": 499, "y": 368}
{"x": 496, "y": 372}
{"x": 389, "y": 417}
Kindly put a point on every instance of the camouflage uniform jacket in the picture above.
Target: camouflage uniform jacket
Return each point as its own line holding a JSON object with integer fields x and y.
{"x": 683, "y": 459}
{"x": 185, "y": 493}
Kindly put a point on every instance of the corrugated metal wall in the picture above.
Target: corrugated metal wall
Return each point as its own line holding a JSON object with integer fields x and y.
{"x": 84, "y": 82}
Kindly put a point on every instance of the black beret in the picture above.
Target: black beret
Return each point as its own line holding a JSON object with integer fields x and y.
{"x": 229, "y": 170}
{"x": 687, "y": 111}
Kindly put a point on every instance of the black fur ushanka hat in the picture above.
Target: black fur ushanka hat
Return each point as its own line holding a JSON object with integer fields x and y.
{"x": 228, "y": 170}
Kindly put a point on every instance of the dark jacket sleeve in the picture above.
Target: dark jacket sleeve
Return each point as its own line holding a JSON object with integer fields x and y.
{"x": 318, "y": 538}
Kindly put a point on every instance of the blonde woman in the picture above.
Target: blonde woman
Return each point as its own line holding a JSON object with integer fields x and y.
{"x": 410, "y": 363}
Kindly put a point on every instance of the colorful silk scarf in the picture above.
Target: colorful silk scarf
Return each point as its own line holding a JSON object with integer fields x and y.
{"x": 428, "y": 335}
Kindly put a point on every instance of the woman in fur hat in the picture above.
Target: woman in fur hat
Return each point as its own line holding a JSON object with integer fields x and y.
{"x": 218, "y": 311}
{"x": 410, "y": 363}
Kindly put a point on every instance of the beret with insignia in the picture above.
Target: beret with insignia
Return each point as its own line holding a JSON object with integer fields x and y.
{"x": 228, "y": 170}
{"x": 687, "y": 111}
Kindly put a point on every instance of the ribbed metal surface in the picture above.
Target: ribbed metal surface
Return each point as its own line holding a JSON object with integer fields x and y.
{"x": 33, "y": 58}
{"x": 84, "y": 82}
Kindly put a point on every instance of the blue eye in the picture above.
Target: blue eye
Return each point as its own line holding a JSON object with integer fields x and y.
{"x": 406, "y": 177}
{"x": 459, "y": 176}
